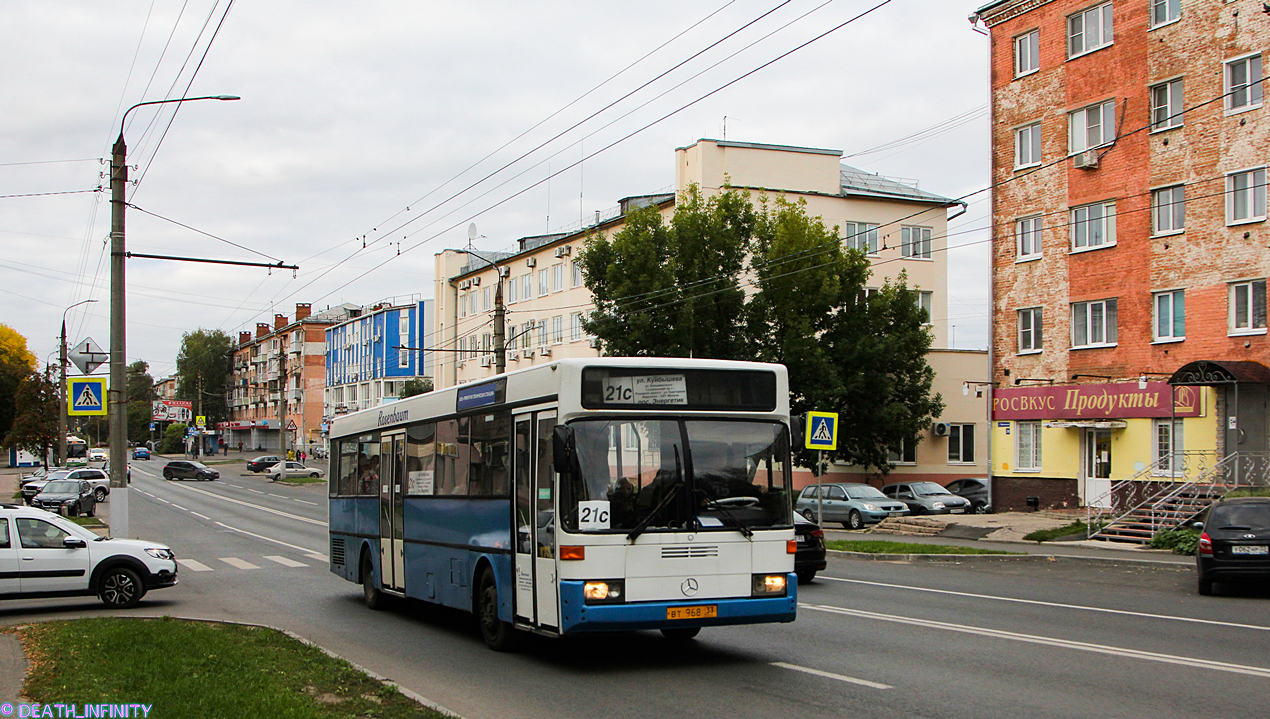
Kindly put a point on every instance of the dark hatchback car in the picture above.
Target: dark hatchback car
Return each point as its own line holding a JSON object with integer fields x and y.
{"x": 927, "y": 498}
{"x": 1235, "y": 543}
{"x": 74, "y": 498}
{"x": 260, "y": 464}
{"x": 975, "y": 490}
{"x": 809, "y": 557}
{"x": 183, "y": 469}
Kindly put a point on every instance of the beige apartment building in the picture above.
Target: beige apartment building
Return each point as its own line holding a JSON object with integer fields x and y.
{"x": 899, "y": 226}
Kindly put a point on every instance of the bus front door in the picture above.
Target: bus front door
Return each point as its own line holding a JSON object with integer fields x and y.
{"x": 392, "y": 558}
{"x": 537, "y": 599}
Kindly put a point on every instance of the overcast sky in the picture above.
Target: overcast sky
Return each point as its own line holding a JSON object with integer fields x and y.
{"x": 355, "y": 119}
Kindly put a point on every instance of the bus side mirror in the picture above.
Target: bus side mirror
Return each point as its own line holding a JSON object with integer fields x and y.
{"x": 798, "y": 429}
{"x": 562, "y": 449}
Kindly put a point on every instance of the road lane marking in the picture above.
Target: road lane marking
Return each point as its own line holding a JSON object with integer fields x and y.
{"x": 236, "y": 562}
{"x": 270, "y": 510}
{"x": 183, "y": 509}
{"x": 284, "y": 561}
{"x": 249, "y": 489}
{"x": 301, "y": 501}
{"x": 194, "y": 565}
{"x": 1057, "y": 605}
{"x": 831, "y": 675}
{"x": 204, "y": 516}
{"x": 161, "y": 499}
{"x": 308, "y": 552}
{"x": 1050, "y": 641}
{"x": 283, "y": 496}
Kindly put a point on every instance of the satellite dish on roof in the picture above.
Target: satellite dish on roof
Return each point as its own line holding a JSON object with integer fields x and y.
{"x": 471, "y": 232}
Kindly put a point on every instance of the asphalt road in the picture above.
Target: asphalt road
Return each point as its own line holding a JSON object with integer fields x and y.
{"x": 873, "y": 639}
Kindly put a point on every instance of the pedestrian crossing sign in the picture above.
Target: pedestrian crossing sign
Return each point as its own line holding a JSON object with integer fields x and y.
{"x": 86, "y": 395}
{"x": 822, "y": 430}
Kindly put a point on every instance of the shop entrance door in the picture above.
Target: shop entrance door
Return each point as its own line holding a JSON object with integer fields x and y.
{"x": 1096, "y": 467}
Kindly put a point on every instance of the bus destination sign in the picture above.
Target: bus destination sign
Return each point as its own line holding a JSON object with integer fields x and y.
{"x": 665, "y": 389}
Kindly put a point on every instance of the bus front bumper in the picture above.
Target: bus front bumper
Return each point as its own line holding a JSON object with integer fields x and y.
{"x": 577, "y": 616}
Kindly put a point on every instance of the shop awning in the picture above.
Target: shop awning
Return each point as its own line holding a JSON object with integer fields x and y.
{"x": 1085, "y": 424}
{"x": 1208, "y": 373}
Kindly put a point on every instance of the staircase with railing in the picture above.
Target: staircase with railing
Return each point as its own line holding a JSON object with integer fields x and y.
{"x": 1171, "y": 491}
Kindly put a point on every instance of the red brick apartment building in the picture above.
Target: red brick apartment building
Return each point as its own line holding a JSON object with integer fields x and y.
{"x": 1129, "y": 256}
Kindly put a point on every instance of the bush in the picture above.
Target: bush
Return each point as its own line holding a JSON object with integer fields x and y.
{"x": 173, "y": 439}
{"x": 1181, "y": 541}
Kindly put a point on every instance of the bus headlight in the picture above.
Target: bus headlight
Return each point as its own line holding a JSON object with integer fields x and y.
{"x": 608, "y": 591}
{"x": 769, "y": 585}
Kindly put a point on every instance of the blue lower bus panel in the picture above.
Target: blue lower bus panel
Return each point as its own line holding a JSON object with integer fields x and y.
{"x": 578, "y": 616}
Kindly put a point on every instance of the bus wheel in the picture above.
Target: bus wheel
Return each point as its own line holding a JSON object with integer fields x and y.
{"x": 680, "y": 634}
{"x": 373, "y": 597}
{"x": 499, "y": 635}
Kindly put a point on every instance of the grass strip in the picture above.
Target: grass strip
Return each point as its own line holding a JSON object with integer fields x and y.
{"x": 869, "y": 546}
{"x": 197, "y": 669}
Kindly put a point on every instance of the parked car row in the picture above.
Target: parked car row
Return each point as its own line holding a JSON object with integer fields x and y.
{"x": 97, "y": 479}
{"x": 857, "y": 505}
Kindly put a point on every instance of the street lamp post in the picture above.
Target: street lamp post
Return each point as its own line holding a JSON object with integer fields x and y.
{"x": 61, "y": 390}
{"x": 118, "y": 392}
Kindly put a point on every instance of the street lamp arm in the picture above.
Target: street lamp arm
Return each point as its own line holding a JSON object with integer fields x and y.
{"x": 124, "y": 120}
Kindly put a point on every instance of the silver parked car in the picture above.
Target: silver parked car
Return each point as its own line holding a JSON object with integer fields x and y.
{"x": 854, "y": 505}
{"x": 289, "y": 469}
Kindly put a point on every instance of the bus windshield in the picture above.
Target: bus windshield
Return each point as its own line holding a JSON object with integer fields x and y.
{"x": 685, "y": 475}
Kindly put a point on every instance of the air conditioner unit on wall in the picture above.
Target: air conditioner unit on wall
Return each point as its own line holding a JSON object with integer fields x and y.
{"x": 940, "y": 429}
{"x": 544, "y": 351}
{"x": 1087, "y": 160}
{"x": 513, "y": 355}
{"x": 486, "y": 360}
{"x": 476, "y": 282}
{"x": 465, "y": 284}
{"x": 563, "y": 250}
{"x": 529, "y": 354}
{"x": 531, "y": 261}
{"x": 504, "y": 271}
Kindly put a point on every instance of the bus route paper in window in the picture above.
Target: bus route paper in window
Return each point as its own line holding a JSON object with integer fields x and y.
{"x": 419, "y": 482}
{"x": 593, "y": 514}
{"x": 649, "y": 389}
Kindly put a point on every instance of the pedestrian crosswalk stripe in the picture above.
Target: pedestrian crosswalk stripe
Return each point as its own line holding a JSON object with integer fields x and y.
{"x": 319, "y": 557}
{"x": 284, "y": 561}
{"x": 236, "y": 562}
{"x": 194, "y": 565}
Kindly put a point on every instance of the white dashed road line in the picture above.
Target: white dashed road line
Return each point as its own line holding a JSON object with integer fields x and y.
{"x": 301, "y": 501}
{"x": 203, "y": 516}
{"x": 236, "y": 562}
{"x": 284, "y": 561}
{"x": 249, "y": 489}
{"x": 307, "y": 552}
{"x": 831, "y": 675}
{"x": 270, "y": 510}
{"x": 183, "y": 509}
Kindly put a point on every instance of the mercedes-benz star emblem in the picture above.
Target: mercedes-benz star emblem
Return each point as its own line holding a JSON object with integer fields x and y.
{"x": 689, "y": 587}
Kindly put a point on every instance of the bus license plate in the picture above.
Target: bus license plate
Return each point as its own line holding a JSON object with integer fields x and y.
{"x": 1250, "y": 549}
{"x": 702, "y": 612}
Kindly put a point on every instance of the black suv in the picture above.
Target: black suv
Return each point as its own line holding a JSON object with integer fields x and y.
{"x": 73, "y": 497}
{"x": 183, "y": 469}
{"x": 260, "y": 464}
{"x": 1235, "y": 543}
{"x": 976, "y": 490}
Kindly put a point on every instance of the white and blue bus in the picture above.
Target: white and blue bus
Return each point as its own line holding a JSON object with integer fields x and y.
{"x": 586, "y": 495}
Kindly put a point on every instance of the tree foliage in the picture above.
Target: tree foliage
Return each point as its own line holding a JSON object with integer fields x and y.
{"x": 675, "y": 290}
{"x": 34, "y": 428}
{"x": 205, "y": 355}
{"x": 16, "y": 362}
{"x": 173, "y": 440}
{"x": 412, "y": 387}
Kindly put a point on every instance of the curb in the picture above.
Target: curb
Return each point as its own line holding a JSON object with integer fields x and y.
{"x": 415, "y": 696}
{"x": 958, "y": 558}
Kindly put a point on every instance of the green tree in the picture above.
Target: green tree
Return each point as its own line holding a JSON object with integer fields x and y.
{"x": 673, "y": 290}
{"x": 34, "y": 427}
{"x": 16, "y": 363}
{"x": 141, "y": 397}
{"x": 173, "y": 438}
{"x": 412, "y": 387}
{"x": 206, "y": 356}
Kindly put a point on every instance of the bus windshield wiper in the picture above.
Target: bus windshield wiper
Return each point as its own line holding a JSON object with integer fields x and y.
{"x": 671, "y": 494}
{"x": 730, "y": 518}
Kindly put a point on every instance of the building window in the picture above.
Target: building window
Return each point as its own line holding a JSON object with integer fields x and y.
{"x": 1169, "y": 445}
{"x": 925, "y": 302}
{"x": 512, "y": 287}
{"x": 542, "y": 332}
{"x": 1089, "y": 30}
{"x": 557, "y": 277}
{"x": 1248, "y": 307}
{"x": 1170, "y": 316}
{"x": 1164, "y": 12}
{"x": 861, "y": 236}
{"x": 1168, "y": 210}
{"x": 1030, "y": 329}
{"x": 1166, "y": 105}
{"x": 575, "y": 326}
{"x": 961, "y": 444}
{"x": 1246, "y": 196}
{"x": 1027, "y": 234}
{"x": 1027, "y": 53}
{"x": 1091, "y": 127}
{"x": 577, "y": 273}
{"x": 557, "y": 329}
{"x": 906, "y": 453}
{"x": 915, "y": 242}
{"x": 487, "y": 343}
{"x": 485, "y": 300}
{"x": 544, "y": 287}
{"x": 1243, "y": 83}
{"x": 1094, "y": 324}
{"x": 1093, "y": 226}
{"x": 1028, "y": 447}
{"x": 526, "y": 335}
{"x": 527, "y": 286}
{"x": 1027, "y": 146}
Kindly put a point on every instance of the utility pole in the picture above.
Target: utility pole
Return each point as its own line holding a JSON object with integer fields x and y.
{"x": 117, "y": 406}
{"x": 61, "y": 405}
{"x": 199, "y": 433}
{"x": 500, "y": 316}
{"x": 282, "y": 396}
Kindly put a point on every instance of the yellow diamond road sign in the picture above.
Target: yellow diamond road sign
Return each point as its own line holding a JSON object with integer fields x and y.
{"x": 86, "y": 395}
{"x": 822, "y": 430}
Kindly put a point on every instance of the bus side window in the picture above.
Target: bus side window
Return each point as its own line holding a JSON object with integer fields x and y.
{"x": 490, "y": 435}
{"x": 368, "y": 466}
